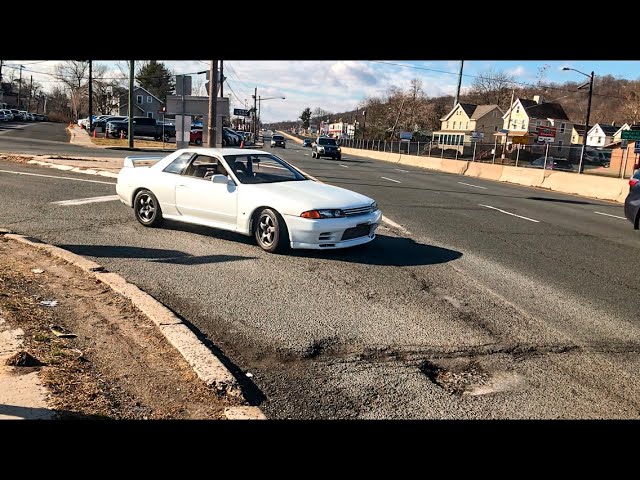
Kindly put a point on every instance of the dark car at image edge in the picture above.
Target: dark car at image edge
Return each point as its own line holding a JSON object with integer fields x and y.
{"x": 632, "y": 202}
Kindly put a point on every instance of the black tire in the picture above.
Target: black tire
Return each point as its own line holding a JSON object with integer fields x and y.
{"x": 339, "y": 157}
{"x": 270, "y": 231}
{"x": 147, "y": 209}
{"x": 198, "y": 141}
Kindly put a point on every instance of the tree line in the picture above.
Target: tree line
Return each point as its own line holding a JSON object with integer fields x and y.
{"x": 614, "y": 100}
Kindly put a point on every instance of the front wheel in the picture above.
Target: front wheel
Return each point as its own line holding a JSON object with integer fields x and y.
{"x": 271, "y": 231}
{"x": 339, "y": 157}
{"x": 198, "y": 141}
{"x": 147, "y": 209}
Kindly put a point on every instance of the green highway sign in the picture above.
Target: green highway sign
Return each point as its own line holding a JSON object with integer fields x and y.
{"x": 631, "y": 134}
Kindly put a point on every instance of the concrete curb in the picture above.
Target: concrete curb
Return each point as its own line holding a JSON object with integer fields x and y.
{"x": 69, "y": 168}
{"x": 206, "y": 365}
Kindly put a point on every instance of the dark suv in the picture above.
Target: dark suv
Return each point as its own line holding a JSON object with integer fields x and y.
{"x": 326, "y": 147}
{"x": 632, "y": 203}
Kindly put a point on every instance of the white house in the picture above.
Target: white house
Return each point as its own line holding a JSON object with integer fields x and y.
{"x": 602, "y": 134}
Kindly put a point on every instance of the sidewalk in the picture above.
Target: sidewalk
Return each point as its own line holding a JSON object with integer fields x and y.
{"x": 91, "y": 354}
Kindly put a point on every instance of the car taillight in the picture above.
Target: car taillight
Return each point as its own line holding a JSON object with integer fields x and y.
{"x": 311, "y": 214}
{"x": 633, "y": 182}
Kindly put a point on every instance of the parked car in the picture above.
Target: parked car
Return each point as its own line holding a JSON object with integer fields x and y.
{"x": 306, "y": 142}
{"x": 326, "y": 147}
{"x": 16, "y": 114}
{"x": 278, "y": 141}
{"x": 195, "y": 136}
{"x": 561, "y": 164}
{"x": 142, "y": 127}
{"x": 249, "y": 192}
{"x": 632, "y": 202}
{"x": 101, "y": 123}
{"x": 6, "y": 115}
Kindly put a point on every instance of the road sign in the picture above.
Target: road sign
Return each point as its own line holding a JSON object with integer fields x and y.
{"x": 520, "y": 140}
{"x": 477, "y": 135}
{"x": 406, "y": 135}
{"x": 546, "y": 132}
{"x": 631, "y": 135}
{"x": 623, "y": 144}
{"x": 241, "y": 112}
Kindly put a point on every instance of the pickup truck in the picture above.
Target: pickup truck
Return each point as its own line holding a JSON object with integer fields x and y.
{"x": 142, "y": 127}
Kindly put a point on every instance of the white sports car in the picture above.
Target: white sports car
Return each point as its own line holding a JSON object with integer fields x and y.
{"x": 250, "y": 192}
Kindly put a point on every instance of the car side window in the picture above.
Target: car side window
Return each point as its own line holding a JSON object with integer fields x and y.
{"x": 179, "y": 164}
{"x": 204, "y": 166}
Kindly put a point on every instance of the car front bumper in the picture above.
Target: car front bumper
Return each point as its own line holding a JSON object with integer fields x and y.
{"x": 327, "y": 233}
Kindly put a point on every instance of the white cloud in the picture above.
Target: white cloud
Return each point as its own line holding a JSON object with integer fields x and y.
{"x": 518, "y": 71}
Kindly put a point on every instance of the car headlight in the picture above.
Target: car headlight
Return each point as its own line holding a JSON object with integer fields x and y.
{"x": 321, "y": 149}
{"x": 339, "y": 149}
{"x": 328, "y": 213}
{"x": 374, "y": 206}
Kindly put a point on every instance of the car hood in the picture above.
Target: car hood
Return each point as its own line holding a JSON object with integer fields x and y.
{"x": 296, "y": 197}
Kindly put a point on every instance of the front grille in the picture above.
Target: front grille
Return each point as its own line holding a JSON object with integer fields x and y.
{"x": 350, "y": 212}
{"x": 361, "y": 230}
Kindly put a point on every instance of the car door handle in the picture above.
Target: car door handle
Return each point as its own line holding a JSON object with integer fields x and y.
{"x": 180, "y": 185}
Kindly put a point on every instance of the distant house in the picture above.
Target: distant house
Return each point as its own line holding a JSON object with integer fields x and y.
{"x": 524, "y": 117}
{"x": 459, "y": 125}
{"x": 145, "y": 104}
{"x": 577, "y": 134}
{"x": 602, "y": 134}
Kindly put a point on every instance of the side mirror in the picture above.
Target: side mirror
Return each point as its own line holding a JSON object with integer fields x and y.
{"x": 222, "y": 179}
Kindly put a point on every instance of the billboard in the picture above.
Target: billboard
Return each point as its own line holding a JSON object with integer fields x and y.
{"x": 406, "y": 136}
{"x": 546, "y": 134}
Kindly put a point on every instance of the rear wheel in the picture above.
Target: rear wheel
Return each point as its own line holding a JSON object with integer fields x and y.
{"x": 198, "y": 141}
{"x": 147, "y": 209}
{"x": 271, "y": 231}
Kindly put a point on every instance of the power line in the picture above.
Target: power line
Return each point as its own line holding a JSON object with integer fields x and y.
{"x": 550, "y": 87}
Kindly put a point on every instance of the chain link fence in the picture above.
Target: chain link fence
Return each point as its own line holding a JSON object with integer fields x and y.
{"x": 615, "y": 163}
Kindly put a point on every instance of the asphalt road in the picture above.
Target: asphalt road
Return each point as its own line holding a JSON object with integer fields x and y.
{"x": 48, "y": 138}
{"x": 538, "y": 310}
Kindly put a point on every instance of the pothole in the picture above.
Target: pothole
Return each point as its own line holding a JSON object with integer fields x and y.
{"x": 317, "y": 347}
{"x": 457, "y": 381}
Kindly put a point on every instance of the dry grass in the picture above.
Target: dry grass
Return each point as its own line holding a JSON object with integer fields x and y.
{"x": 117, "y": 142}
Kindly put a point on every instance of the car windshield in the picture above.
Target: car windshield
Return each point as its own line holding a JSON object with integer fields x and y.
{"x": 262, "y": 168}
{"x": 278, "y": 137}
{"x": 326, "y": 141}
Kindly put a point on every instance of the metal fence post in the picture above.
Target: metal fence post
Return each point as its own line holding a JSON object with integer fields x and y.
{"x": 458, "y": 150}
{"x": 442, "y": 152}
{"x": 581, "y": 156}
{"x": 418, "y": 150}
{"x": 473, "y": 159}
{"x": 429, "y": 153}
{"x": 495, "y": 147}
{"x": 518, "y": 155}
{"x": 385, "y": 146}
{"x": 546, "y": 154}
{"x": 626, "y": 158}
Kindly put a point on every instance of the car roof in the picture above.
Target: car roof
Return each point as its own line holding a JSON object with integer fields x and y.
{"x": 225, "y": 151}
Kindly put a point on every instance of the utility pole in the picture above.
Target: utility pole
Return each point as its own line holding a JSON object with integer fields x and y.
{"x": 90, "y": 95}
{"x": 255, "y": 118}
{"x": 259, "y": 103}
{"x": 364, "y": 122}
{"x": 30, "y": 92}
{"x": 586, "y": 125}
{"x": 213, "y": 105}
{"x": 132, "y": 72}
{"x": 1, "y": 63}
{"x": 222, "y": 79}
{"x": 455, "y": 100}
{"x": 20, "y": 86}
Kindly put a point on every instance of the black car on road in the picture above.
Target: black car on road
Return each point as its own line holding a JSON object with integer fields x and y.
{"x": 306, "y": 142}
{"x": 326, "y": 147}
{"x": 632, "y": 203}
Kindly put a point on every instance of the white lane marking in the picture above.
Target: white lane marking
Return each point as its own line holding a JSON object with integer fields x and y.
{"x": 609, "y": 215}
{"x": 391, "y": 179}
{"x": 395, "y": 225}
{"x": 400, "y": 170}
{"x": 54, "y": 176}
{"x": 509, "y": 213}
{"x": 306, "y": 154}
{"x": 343, "y": 165}
{"x": 82, "y": 201}
{"x": 469, "y": 185}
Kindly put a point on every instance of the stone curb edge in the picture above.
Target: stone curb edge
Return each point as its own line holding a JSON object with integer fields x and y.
{"x": 205, "y": 364}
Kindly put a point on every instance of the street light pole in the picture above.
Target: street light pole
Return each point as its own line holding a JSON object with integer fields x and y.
{"x": 364, "y": 122}
{"x": 586, "y": 124}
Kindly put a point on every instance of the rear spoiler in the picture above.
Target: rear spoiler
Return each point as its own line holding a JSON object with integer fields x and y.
{"x": 141, "y": 161}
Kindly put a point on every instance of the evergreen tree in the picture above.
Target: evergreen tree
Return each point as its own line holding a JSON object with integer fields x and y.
{"x": 156, "y": 78}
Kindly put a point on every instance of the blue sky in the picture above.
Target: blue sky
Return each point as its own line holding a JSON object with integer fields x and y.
{"x": 338, "y": 85}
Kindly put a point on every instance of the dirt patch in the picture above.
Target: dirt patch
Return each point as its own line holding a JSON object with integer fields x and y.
{"x": 118, "y": 366}
{"x": 117, "y": 142}
{"x": 17, "y": 158}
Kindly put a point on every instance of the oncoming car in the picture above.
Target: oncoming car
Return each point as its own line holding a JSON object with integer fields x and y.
{"x": 326, "y": 147}
{"x": 278, "y": 141}
{"x": 249, "y": 192}
{"x": 306, "y": 142}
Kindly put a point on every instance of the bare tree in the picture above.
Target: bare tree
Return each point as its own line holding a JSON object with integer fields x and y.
{"x": 74, "y": 75}
{"x": 492, "y": 88}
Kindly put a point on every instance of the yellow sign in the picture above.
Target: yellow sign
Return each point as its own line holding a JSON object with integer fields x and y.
{"x": 520, "y": 140}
